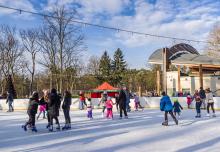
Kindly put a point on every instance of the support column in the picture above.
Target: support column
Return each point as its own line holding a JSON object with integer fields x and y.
{"x": 164, "y": 55}
{"x": 158, "y": 82}
{"x": 200, "y": 76}
{"x": 178, "y": 79}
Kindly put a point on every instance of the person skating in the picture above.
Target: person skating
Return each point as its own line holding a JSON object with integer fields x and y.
{"x": 202, "y": 97}
{"x": 10, "y": 100}
{"x": 177, "y": 107}
{"x": 103, "y": 101}
{"x": 82, "y": 100}
{"x": 167, "y": 107}
{"x": 137, "y": 102}
{"x": 42, "y": 109}
{"x": 117, "y": 101}
{"x": 210, "y": 102}
{"x": 32, "y": 111}
{"x": 198, "y": 104}
{"x": 89, "y": 109}
{"x": 66, "y": 109}
{"x": 109, "y": 106}
{"x": 122, "y": 102}
{"x": 188, "y": 100}
{"x": 53, "y": 109}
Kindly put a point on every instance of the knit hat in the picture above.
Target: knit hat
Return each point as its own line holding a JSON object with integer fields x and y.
{"x": 175, "y": 100}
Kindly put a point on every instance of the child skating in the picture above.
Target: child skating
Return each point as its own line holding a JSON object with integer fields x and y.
{"x": 167, "y": 107}
{"x": 32, "y": 111}
{"x": 89, "y": 109}
{"x": 198, "y": 104}
{"x": 137, "y": 103}
{"x": 177, "y": 107}
{"x": 109, "y": 106}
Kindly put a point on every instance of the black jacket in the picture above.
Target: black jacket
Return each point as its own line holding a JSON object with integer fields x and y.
{"x": 122, "y": 98}
{"x": 54, "y": 105}
{"x": 32, "y": 106}
{"x": 67, "y": 103}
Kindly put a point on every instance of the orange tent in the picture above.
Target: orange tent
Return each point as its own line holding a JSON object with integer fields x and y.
{"x": 106, "y": 86}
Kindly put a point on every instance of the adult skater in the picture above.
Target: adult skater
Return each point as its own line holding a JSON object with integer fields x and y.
{"x": 66, "y": 109}
{"x": 167, "y": 107}
{"x": 202, "y": 96}
{"x": 210, "y": 102}
{"x": 103, "y": 101}
{"x": 10, "y": 100}
{"x": 198, "y": 104}
{"x": 32, "y": 111}
{"x": 53, "y": 108}
{"x": 122, "y": 102}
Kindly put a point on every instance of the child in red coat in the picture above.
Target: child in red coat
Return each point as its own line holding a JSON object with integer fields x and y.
{"x": 109, "y": 106}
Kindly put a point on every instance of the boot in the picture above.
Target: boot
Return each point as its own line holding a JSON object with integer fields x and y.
{"x": 48, "y": 126}
{"x": 64, "y": 128}
{"x": 176, "y": 121}
{"x": 165, "y": 123}
{"x": 51, "y": 128}
{"x": 34, "y": 129}
{"x": 24, "y": 127}
{"x": 58, "y": 127}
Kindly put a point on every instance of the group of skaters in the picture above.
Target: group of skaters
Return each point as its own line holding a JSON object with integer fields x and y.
{"x": 202, "y": 98}
{"x": 50, "y": 103}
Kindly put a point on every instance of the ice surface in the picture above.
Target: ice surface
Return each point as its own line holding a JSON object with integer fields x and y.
{"x": 142, "y": 132}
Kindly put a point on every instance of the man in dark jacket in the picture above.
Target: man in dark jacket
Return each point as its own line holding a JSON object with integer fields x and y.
{"x": 10, "y": 100}
{"x": 202, "y": 96}
{"x": 53, "y": 108}
{"x": 66, "y": 109}
{"x": 122, "y": 102}
{"x": 32, "y": 111}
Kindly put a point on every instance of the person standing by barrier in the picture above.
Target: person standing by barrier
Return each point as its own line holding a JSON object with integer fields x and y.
{"x": 82, "y": 100}
{"x": 167, "y": 107}
{"x": 66, "y": 109}
{"x": 10, "y": 101}
{"x": 210, "y": 102}
{"x": 202, "y": 96}
{"x": 122, "y": 102}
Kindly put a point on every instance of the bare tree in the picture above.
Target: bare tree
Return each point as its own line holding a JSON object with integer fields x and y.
{"x": 65, "y": 42}
{"x": 30, "y": 43}
{"x": 93, "y": 65}
{"x": 213, "y": 48}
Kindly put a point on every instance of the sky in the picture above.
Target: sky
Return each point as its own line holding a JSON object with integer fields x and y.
{"x": 190, "y": 19}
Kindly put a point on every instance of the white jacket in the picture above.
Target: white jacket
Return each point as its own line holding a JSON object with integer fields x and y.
{"x": 209, "y": 97}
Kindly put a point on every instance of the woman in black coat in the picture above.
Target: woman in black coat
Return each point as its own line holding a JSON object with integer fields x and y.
{"x": 32, "y": 111}
{"x": 66, "y": 109}
{"x": 122, "y": 103}
{"x": 53, "y": 108}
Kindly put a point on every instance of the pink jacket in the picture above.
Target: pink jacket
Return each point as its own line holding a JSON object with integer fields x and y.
{"x": 109, "y": 104}
{"x": 42, "y": 108}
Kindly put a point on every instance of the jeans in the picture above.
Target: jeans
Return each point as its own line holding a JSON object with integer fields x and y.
{"x": 198, "y": 106}
{"x": 212, "y": 106}
{"x": 66, "y": 113}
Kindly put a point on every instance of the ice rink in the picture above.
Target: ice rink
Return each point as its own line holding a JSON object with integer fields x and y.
{"x": 142, "y": 132}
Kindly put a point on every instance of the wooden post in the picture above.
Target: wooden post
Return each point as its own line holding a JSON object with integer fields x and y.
{"x": 158, "y": 82}
{"x": 179, "y": 83}
{"x": 200, "y": 76}
{"x": 139, "y": 91}
{"x": 164, "y": 55}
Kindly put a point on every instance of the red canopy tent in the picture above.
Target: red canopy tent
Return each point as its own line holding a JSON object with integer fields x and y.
{"x": 111, "y": 91}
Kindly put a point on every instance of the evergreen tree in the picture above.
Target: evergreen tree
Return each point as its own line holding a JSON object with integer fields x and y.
{"x": 118, "y": 67}
{"x": 10, "y": 87}
{"x": 105, "y": 68}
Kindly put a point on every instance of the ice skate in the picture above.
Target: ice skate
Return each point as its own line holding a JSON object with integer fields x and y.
{"x": 213, "y": 115}
{"x": 48, "y": 126}
{"x": 51, "y": 128}
{"x": 24, "y": 127}
{"x": 34, "y": 129}
{"x": 64, "y": 128}
{"x": 207, "y": 115}
{"x": 165, "y": 123}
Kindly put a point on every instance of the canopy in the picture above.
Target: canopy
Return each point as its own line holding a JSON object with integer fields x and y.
{"x": 105, "y": 86}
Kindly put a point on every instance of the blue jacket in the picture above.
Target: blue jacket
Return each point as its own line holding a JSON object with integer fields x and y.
{"x": 166, "y": 104}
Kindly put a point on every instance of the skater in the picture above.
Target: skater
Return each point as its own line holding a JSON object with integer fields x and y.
{"x": 10, "y": 100}
{"x": 128, "y": 96}
{"x": 117, "y": 101}
{"x": 122, "y": 103}
{"x": 89, "y": 109}
{"x": 103, "y": 101}
{"x": 202, "y": 97}
{"x": 167, "y": 107}
{"x": 66, "y": 109}
{"x": 32, "y": 111}
{"x": 42, "y": 109}
{"x": 198, "y": 104}
{"x": 53, "y": 109}
{"x": 82, "y": 100}
{"x": 210, "y": 102}
{"x": 177, "y": 107}
{"x": 109, "y": 106}
{"x": 137, "y": 102}
{"x": 188, "y": 100}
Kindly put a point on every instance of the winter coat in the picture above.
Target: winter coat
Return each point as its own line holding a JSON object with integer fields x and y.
{"x": 67, "y": 103}
{"x": 54, "y": 105}
{"x": 109, "y": 104}
{"x": 202, "y": 94}
{"x": 43, "y": 102}
{"x": 188, "y": 99}
{"x": 166, "y": 104}
{"x": 9, "y": 98}
{"x": 177, "y": 107}
{"x": 122, "y": 98}
{"x": 32, "y": 106}
{"x": 209, "y": 97}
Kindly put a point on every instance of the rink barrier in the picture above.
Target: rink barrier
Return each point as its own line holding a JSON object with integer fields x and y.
{"x": 147, "y": 102}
